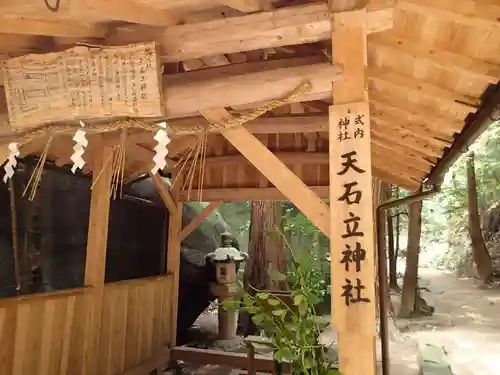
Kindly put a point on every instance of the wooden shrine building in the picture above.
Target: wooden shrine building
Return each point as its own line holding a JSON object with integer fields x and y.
{"x": 294, "y": 100}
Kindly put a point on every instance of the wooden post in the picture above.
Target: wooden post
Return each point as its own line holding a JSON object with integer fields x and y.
{"x": 174, "y": 253}
{"x": 352, "y": 220}
{"x": 95, "y": 262}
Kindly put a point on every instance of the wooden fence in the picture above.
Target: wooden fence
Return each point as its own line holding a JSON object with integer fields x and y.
{"x": 45, "y": 334}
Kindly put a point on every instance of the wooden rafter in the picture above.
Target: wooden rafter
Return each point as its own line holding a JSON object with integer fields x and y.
{"x": 409, "y": 130}
{"x": 434, "y": 126}
{"x": 422, "y": 88}
{"x": 382, "y": 153}
{"x": 401, "y": 108}
{"x": 195, "y": 222}
{"x": 243, "y": 194}
{"x": 384, "y": 125}
{"x": 396, "y": 178}
{"x": 410, "y": 90}
{"x": 476, "y": 13}
{"x": 396, "y": 165}
{"x": 446, "y": 60}
{"x": 398, "y": 150}
{"x": 406, "y": 143}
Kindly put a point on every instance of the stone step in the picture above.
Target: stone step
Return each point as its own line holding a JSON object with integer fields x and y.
{"x": 432, "y": 360}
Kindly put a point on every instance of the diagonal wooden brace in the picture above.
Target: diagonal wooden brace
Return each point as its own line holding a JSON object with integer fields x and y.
{"x": 274, "y": 170}
{"x": 165, "y": 194}
{"x": 195, "y": 223}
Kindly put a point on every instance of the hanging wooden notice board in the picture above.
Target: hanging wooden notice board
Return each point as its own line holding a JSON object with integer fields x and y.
{"x": 84, "y": 83}
{"x": 352, "y": 241}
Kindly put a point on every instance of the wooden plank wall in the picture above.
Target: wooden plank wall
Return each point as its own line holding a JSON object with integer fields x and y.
{"x": 44, "y": 334}
{"x": 135, "y": 322}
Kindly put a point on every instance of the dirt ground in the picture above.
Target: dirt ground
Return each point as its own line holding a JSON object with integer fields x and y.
{"x": 466, "y": 322}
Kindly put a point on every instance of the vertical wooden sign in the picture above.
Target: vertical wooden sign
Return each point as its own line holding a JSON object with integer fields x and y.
{"x": 352, "y": 237}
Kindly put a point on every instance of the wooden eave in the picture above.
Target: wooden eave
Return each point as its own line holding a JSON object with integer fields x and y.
{"x": 428, "y": 63}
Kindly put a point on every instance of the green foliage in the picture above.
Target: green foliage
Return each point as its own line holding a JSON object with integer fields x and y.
{"x": 445, "y": 235}
{"x": 293, "y": 328}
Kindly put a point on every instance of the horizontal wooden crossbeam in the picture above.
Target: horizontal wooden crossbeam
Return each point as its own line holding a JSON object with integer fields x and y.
{"x": 276, "y": 28}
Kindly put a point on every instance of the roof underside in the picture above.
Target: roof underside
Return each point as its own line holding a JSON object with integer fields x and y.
{"x": 429, "y": 61}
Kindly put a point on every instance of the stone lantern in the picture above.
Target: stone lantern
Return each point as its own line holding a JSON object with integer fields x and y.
{"x": 226, "y": 259}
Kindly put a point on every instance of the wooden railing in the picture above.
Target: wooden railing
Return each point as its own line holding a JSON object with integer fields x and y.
{"x": 45, "y": 334}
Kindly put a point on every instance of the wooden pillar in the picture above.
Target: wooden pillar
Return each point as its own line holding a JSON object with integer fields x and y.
{"x": 95, "y": 261}
{"x": 174, "y": 254}
{"x": 351, "y": 211}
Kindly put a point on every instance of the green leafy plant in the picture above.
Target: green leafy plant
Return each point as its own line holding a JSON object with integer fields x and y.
{"x": 292, "y": 326}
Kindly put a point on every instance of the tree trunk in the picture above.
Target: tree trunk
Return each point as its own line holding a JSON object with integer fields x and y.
{"x": 480, "y": 254}
{"x": 265, "y": 252}
{"x": 410, "y": 281}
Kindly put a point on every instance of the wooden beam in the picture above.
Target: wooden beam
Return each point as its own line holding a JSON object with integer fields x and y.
{"x": 274, "y": 170}
{"x": 244, "y": 194}
{"x": 130, "y": 11}
{"x": 26, "y": 26}
{"x": 281, "y": 27}
{"x": 187, "y": 93}
{"x": 262, "y": 363}
{"x": 446, "y": 60}
{"x": 95, "y": 260}
{"x": 474, "y": 13}
{"x": 195, "y": 222}
{"x": 247, "y": 6}
{"x": 283, "y": 124}
{"x": 353, "y": 318}
{"x": 109, "y": 10}
{"x": 233, "y": 85}
{"x": 404, "y": 164}
{"x": 159, "y": 358}
{"x": 284, "y": 157}
{"x": 164, "y": 191}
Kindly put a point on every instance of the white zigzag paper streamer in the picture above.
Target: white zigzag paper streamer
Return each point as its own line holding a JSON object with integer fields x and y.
{"x": 11, "y": 161}
{"x": 81, "y": 143}
{"x": 161, "y": 150}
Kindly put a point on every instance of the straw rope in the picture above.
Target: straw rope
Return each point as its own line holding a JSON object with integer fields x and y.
{"x": 26, "y": 136}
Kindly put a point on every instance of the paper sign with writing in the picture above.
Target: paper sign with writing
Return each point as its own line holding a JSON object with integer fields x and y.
{"x": 84, "y": 83}
{"x": 352, "y": 234}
